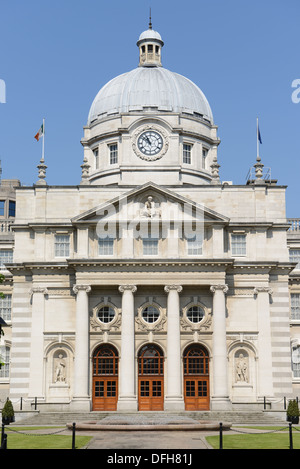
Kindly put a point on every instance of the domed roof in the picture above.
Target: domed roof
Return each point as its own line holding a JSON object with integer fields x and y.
{"x": 151, "y": 86}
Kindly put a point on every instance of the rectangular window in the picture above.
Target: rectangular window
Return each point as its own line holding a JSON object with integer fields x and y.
{"x": 62, "y": 245}
{"x": 2, "y": 207}
{"x": 5, "y": 308}
{"x": 204, "y": 155}
{"x": 150, "y": 246}
{"x": 194, "y": 245}
{"x": 113, "y": 153}
{"x": 106, "y": 246}
{"x": 12, "y": 208}
{"x": 96, "y": 155}
{"x": 295, "y": 257}
{"x": 295, "y": 306}
{"x": 6, "y": 257}
{"x": 5, "y": 358}
{"x": 238, "y": 244}
{"x": 187, "y": 151}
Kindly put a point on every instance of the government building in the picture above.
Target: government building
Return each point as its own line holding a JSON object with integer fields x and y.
{"x": 151, "y": 285}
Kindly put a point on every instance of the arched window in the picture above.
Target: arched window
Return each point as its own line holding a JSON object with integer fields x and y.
{"x": 196, "y": 360}
{"x": 151, "y": 360}
{"x": 105, "y": 361}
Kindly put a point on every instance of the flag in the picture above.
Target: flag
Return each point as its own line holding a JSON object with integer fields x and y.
{"x": 40, "y": 133}
{"x": 258, "y": 135}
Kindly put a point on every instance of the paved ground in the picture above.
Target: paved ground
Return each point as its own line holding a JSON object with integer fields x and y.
{"x": 148, "y": 440}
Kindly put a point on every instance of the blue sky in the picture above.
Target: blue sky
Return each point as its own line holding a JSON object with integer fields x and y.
{"x": 244, "y": 55}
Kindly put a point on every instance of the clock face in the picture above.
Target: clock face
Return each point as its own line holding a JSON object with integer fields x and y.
{"x": 150, "y": 143}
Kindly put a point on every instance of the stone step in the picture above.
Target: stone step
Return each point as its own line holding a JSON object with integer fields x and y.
{"x": 235, "y": 417}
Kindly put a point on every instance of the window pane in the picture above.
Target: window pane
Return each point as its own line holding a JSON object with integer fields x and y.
{"x": 113, "y": 149}
{"x": 5, "y": 357}
{"x": 150, "y": 246}
{"x": 2, "y": 205}
{"x": 295, "y": 257}
{"x": 295, "y": 306}
{"x": 106, "y": 246}
{"x": 150, "y": 314}
{"x": 296, "y": 362}
{"x": 195, "y": 245}
{"x": 62, "y": 245}
{"x": 195, "y": 314}
{"x": 187, "y": 153}
{"x": 6, "y": 257}
{"x": 12, "y": 209}
{"x": 106, "y": 314}
{"x": 238, "y": 245}
{"x": 5, "y": 308}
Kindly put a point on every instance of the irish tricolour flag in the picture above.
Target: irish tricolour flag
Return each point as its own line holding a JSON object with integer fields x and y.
{"x": 40, "y": 133}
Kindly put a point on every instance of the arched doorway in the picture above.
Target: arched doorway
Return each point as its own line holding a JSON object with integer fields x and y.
{"x": 105, "y": 378}
{"x": 196, "y": 377}
{"x": 151, "y": 378}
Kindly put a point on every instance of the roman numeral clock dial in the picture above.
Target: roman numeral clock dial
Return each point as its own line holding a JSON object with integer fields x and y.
{"x": 150, "y": 143}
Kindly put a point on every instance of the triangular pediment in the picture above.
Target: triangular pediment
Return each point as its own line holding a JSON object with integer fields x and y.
{"x": 150, "y": 202}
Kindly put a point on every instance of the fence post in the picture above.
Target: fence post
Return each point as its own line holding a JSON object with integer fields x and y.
{"x": 73, "y": 435}
{"x": 21, "y": 403}
{"x": 221, "y": 436}
{"x": 291, "y": 435}
{"x": 4, "y": 442}
{"x": 284, "y": 405}
{"x": 35, "y": 403}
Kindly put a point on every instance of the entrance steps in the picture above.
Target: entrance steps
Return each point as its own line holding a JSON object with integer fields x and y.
{"x": 234, "y": 417}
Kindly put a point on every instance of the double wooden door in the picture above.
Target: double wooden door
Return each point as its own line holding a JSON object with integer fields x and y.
{"x": 151, "y": 378}
{"x": 105, "y": 378}
{"x": 196, "y": 378}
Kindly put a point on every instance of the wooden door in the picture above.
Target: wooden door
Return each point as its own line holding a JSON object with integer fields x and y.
{"x": 196, "y": 378}
{"x": 151, "y": 378}
{"x": 105, "y": 378}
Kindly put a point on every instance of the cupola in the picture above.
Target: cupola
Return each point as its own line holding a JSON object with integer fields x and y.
{"x": 150, "y": 44}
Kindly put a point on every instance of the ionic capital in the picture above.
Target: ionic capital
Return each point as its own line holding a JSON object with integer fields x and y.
{"x": 263, "y": 290}
{"x": 81, "y": 287}
{"x": 39, "y": 289}
{"x": 177, "y": 288}
{"x": 123, "y": 288}
{"x": 222, "y": 287}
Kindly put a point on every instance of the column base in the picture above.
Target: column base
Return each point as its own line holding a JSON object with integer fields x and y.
{"x": 80, "y": 404}
{"x": 221, "y": 403}
{"x": 127, "y": 404}
{"x": 174, "y": 403}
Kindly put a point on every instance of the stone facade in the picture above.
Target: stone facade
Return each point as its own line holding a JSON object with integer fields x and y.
{"x": 152, "y": 285}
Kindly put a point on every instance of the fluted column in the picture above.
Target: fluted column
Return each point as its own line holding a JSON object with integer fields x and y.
{"x": 265, "y": 378}
{"x": 37, "y": 342}
{"x": 174, "y": 396}
{"x": 127, "y": 389}
{"x": 220, "y": 398}
{"x": 81, "y": 398}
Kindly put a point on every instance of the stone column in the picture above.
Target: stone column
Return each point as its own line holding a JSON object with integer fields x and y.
{"x": 174, "y": 396}
{"x": 37, "y": 342}
{"x": 81, "y": 397}
{"x": 265, "y": 378}
{"x": 127, "y": 394}
{"x": 220, "y": 398}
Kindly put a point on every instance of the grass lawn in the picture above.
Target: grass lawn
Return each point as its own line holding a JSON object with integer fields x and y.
{"x": 42, "y": 441}
{"x": 256, "y": 440}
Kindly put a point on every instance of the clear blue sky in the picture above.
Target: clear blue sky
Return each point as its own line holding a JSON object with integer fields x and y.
{"x": 244, "y": 55}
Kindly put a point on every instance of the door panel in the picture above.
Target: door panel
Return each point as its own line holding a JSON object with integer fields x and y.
{"x": 105, "y": 392}
{"x": 196, "y": 393}
{"x": 151, "y": 396}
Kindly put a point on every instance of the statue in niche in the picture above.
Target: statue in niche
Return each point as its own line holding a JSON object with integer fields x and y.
{"x": 149, "y": 208}
{"x": 241, "y": 369}
{"x": 60, "y": 369}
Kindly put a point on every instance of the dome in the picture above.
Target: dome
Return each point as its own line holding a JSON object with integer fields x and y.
{"x": 154, "y": 87}
{"x": 150, "y": 86}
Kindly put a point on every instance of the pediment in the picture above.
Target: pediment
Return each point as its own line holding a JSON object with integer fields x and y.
{"x": 150, "y": 202}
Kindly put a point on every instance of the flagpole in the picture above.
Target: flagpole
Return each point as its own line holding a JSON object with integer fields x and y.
{"x": 257, "y": 143}
{"x": 43, "y": 151}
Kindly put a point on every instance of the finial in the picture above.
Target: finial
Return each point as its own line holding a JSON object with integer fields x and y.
{"x": 42, "y": 172}
{"x": 85, "y": 171}
{"x": 150, "y": 23}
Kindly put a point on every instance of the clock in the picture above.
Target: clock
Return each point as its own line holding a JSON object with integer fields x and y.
{"x": 150, "y": 143}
